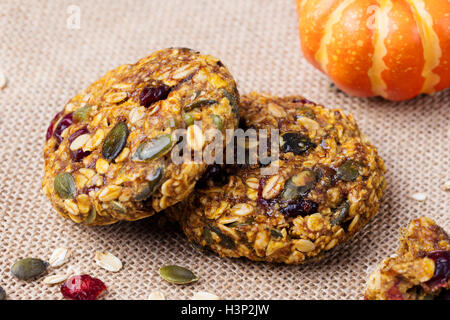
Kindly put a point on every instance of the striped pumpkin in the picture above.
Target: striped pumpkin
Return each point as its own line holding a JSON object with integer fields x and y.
{"x": 396, "y": 49}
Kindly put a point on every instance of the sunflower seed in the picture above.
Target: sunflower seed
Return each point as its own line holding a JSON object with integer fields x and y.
{"x": 28, "y": 268}
{"x": 59, "y": 257}
{"x": 108, "y": 261}
{"x": 54, "y": 279}
{"x": 156, "y": 295}
{"x": 203, "y": 295}
{"x": 177, "y": 274}
{"x": 446, "y": 186}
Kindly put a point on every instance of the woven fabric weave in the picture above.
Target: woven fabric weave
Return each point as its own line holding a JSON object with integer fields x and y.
{"x": 46, "y": 63}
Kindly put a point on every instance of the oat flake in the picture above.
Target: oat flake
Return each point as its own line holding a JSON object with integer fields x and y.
{"x": 59, "y": 257}
{"x": 108, "y": 261}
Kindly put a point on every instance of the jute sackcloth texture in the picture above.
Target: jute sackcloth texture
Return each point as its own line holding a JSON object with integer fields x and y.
{"x": 47, "y": 63}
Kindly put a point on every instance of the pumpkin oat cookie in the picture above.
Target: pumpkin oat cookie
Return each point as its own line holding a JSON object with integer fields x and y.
{"x": 328, "y": 186}
{"x": 419, "y": 270}
{"x": 107, "y": 155}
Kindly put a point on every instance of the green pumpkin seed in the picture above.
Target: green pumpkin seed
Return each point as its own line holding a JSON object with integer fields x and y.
{"x": 82, "y": 114}
{"x": 150, "y": 186}
{"x": 64, "y": 185}
{"x": 188, "y": 119}
{"x": 217, "y": 121}
{"x": 177, "y": 275}
{"x": 340, "y": 213}
{"x": 296, "y": 143}
{"x": 207, "y": 236}
{"x": 199, "y": 104}
{"x": 28, "y": 268}
{"x": 348, "y": 171}
{"x": 225, "y": 241}
{"x": 155, "y": 148}
{"x": 118, "y": 207}
{"x": 276, "y": 233}
{"x": 299, "y": 185}
{"x": 233, "y": 101}
{"x": 91, "y": 216}
{"x": 115, "y": 141}
{"x": 2, "y": 294}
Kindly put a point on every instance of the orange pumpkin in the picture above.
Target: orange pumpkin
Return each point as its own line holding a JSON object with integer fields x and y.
{"x": 396, "y": 49}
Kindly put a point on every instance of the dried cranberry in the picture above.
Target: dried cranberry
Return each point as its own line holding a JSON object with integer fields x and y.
{"x": 82, "y": 287}
{"x": 153, "y": 93}
{"x": 79, "y": 155}
{"x": 304, "y": 101}
{"x": 261, "y": 201}
{"x": 214, "y": 173}
{"x": 65, "y": 122}
{"x": 78, "y": 133}
{"x": 441, "y": 275}
{"x": 301, "y": 207}
{"x": 52, "y": 126}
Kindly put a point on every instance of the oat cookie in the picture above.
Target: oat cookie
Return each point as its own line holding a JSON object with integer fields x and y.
{"x": 419, "y": 270}
{"x": 328, "y": 186}
{"x": 107, "y": 154}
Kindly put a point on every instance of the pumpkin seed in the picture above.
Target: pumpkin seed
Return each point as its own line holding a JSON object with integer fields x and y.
{"x": 207, "y": 236}
{"x": 225, "y": 241}
{"x": 28, "y": 268}
{"x": 155, "y": 148}
{"x": 340, "y": 213}
{"x": 295, "y": 143}
{"x": 348, "y": 171}
{"x": 177, "y": 275}
{"x": 153, "y": 182}
{"x": 199, "y": 104}
{"x": 91, "y": 216}
{"x": 2, "y": 294}
{"x": 299, "y": 185}
{"x": 64, "y": 185}
{"x": 115, "y": 141}
{"x": 276, "y": 233}
{"x": 217, "y": 121}
{"x": 118, "y": 207}
{"x": 188, "y": 119}
{"x": 233, "y": 101}
{"x": 108, "y": 261}
{"x": 82, "y": 114}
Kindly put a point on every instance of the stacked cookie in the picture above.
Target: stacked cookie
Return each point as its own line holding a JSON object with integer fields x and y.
{"x": 138, "y": 141}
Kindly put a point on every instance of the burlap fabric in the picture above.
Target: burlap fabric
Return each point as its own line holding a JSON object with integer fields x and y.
{"x": 47, "y": 63}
